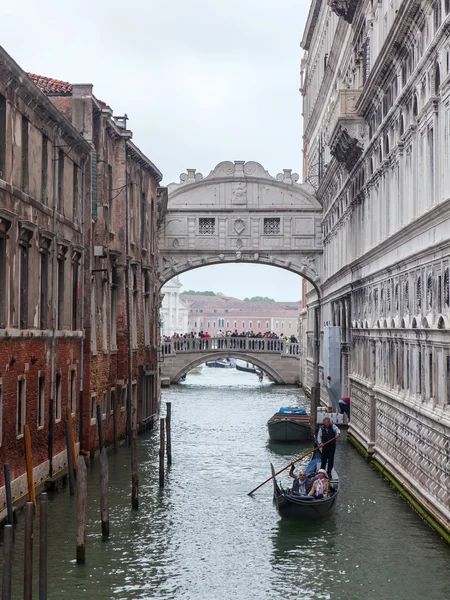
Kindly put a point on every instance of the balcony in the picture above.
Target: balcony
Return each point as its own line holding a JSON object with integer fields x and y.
{"x": 344, "y": 8}
{"x": 348, "y": 130}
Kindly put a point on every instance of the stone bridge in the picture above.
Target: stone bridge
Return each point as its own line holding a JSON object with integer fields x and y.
{"x": 277, "y": 358}
{"x": 240, "y": 213}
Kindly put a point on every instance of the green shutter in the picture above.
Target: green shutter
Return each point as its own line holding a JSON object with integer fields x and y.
{"x": 94, "y": 186}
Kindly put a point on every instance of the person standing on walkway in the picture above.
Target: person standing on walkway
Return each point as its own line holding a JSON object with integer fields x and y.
{"x": 344, "y": 406}
{"x": 326, "y": 433}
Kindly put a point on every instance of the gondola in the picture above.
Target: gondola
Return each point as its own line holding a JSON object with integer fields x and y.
{"x": 246, "y": 369}
{"x": 289, "y": 425}
{"x": 218, "y": 364}
{"x": 294, "y": 506}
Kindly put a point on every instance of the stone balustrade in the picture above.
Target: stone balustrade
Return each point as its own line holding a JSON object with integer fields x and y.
{"x": 234, "y": 344}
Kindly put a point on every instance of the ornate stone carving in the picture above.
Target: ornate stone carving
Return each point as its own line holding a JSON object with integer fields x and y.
{"x": 310, "y": 263}
{"x": 176, "y": 243}
{"x": 239, "y": 226}
{"x": 238, "y": 255}
{"x": 344, "y": 8}
{"x": 345, "y": 148}
{"x": 256, "y": 256}
{"x": 221, "y": 256}
{"x": 239, "y": 193}
{"x": 239, "y": 243}
{"x": 170, "y": 263}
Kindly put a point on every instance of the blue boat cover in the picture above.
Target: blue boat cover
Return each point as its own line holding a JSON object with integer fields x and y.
{"x": 312, "y": 467}
{"x": 292, "y": 411}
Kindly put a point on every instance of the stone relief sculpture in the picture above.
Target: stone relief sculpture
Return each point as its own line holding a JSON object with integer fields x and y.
{"x": 240, "y": 193}
{"x": 239, "y": 226}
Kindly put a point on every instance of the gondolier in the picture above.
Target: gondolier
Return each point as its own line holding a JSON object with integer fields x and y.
{"x": 328, "y": 432}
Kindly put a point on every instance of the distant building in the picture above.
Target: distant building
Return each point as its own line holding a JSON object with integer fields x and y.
{"x": 211, "y": 313}
{"x": 174, "y": 313}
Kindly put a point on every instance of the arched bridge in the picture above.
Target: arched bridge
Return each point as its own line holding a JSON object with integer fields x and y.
{"x": 240, "y": 213}
{"x": 277, "y": 358}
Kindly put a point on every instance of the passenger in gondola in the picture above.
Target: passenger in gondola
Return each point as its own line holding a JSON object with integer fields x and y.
{"x": 302, "y": 485}
{"x": 326, "y": 440}
{"x": 320, "y": 486}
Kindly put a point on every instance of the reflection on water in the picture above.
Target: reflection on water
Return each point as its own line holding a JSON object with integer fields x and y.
{"x": 202, "y": 537}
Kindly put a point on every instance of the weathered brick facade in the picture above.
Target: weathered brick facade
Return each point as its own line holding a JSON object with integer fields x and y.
{"x": 62, "y": 271}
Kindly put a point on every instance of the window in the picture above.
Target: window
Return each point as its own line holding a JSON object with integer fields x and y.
{"x": 61, "y": 263}
{"x": 112, "y": 400}
{"x": 23, "y": 310}
{"x": 72, "y": 390}
{"x": 276, "y": 324}
{"x": 143, "y": 219}
{"x": 2, "y": 136}
{"x": 24, "y": 154}
{"x": 43, "y": 300}
{"x": 44, "y": 170}
{"x": 93, "y": 408}
{"x": 206, "y": 226}
{"x": 123, "y": 398}
{"x": 61, "y": 181}
{"x": 272, "y": 226}
{"x": 75, "y": 200}
{"x": 93, "y": 319}
{"x": 282, "y": 324}
{"x": 58, "y": 397}
{"x": 290, "y": 325}
{"x": 113, "y": 312}
{"x": 41, "y": 400}
{"x": 228, "y": 324}
{"x": 1, "y": 412}
{"x": 209, "y": 324}
{"x": 75, "y": 269}
{"x": 235, "y": 324}
{"x": 21, "y": 387}
{"x": 258, "y": 324}
{"x": 104, "y": 316}
{"x": 110, "y": 195}
{"x": 104, "y": 404}
{"x": 146, "y": 308}
{"x": 3, "y": 287}
{"x": 195, "y": 323}
{"x": 243, "y": 324}
{"x": 135, "y": 307}
{"x": 267, "y": 325}
{"x": 214, "y": 324}
{"x": 250, "y": 324}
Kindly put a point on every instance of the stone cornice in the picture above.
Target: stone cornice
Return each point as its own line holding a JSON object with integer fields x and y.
{"x": 311, "y": 22}
{"x": 16, "y": 79}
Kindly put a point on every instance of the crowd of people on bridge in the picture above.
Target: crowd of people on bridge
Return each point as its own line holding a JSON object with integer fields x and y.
{"x": 232, "y": 334}
{"x": 247, "y": 340}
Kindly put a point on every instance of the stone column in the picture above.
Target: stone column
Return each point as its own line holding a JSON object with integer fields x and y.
{"x": 372, "y": 398}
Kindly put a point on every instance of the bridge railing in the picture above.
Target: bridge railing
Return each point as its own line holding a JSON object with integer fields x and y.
{"x": 237, "y": 344}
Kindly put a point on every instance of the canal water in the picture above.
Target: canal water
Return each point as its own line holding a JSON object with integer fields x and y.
{"x": 202, "y": 537}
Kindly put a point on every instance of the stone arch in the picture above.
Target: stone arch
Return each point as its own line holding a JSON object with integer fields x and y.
{"x": 437, "y": 79}
{"x": 414, "y": 323}
{"x": 392, "y": 324}
{"x": 415, "y": 106}
{"x": 403, "y": 324}
{"x": 441, "y": 323}
{"x": 239, "y": 213}
{"x": 425, "y": 323}
{"x": 210, "y": 356}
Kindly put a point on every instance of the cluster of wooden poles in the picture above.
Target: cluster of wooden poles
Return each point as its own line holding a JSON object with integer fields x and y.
{"x": 77, "y": 475}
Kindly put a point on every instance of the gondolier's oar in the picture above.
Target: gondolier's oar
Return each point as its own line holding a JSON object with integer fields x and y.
{"x": 290, "y": 465}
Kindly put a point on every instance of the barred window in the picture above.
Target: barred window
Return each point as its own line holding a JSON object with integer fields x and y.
{"x": 272, "y": 226}
{"x": 206, "y": 226}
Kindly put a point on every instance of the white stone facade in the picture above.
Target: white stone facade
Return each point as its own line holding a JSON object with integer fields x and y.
{"x": 174, "y": 313}
{"x": 376, "y": 86}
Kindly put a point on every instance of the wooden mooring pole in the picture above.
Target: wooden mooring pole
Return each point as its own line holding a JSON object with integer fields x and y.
{"x": 99, "y": 427}
{"x": 29, "y": 464}
{"x": 72, "y": 439}
{"x": 161, "y": 453}
{"x": 43, "y": 545}
{"x": 169, "y": 432}
{"x": 134, "y": 471}
{"x": 8, "y": 540}
{"x": 8, "y": 493}
{"x": 69, "y": 460}
{"x": 28, "y": 552}
{"x": 81, "y": 510}
{"x": 104, "y": 513}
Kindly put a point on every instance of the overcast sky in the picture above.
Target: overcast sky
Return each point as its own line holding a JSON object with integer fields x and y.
{"x": 201, "y": 82}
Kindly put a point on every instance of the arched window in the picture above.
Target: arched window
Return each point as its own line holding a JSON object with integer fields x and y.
{"x": 415, "y": 108}
{"x": 441, "y": 323}
{"x": 401, "y": 125}
{"x": 437, "y": 80}
{"x": 386, "y": 144}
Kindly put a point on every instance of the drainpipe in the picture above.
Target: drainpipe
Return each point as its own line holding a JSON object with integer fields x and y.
{"x": 127, "y": 299}
{"x": 83, "y": 275}
{"x": 51, "y": 407}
